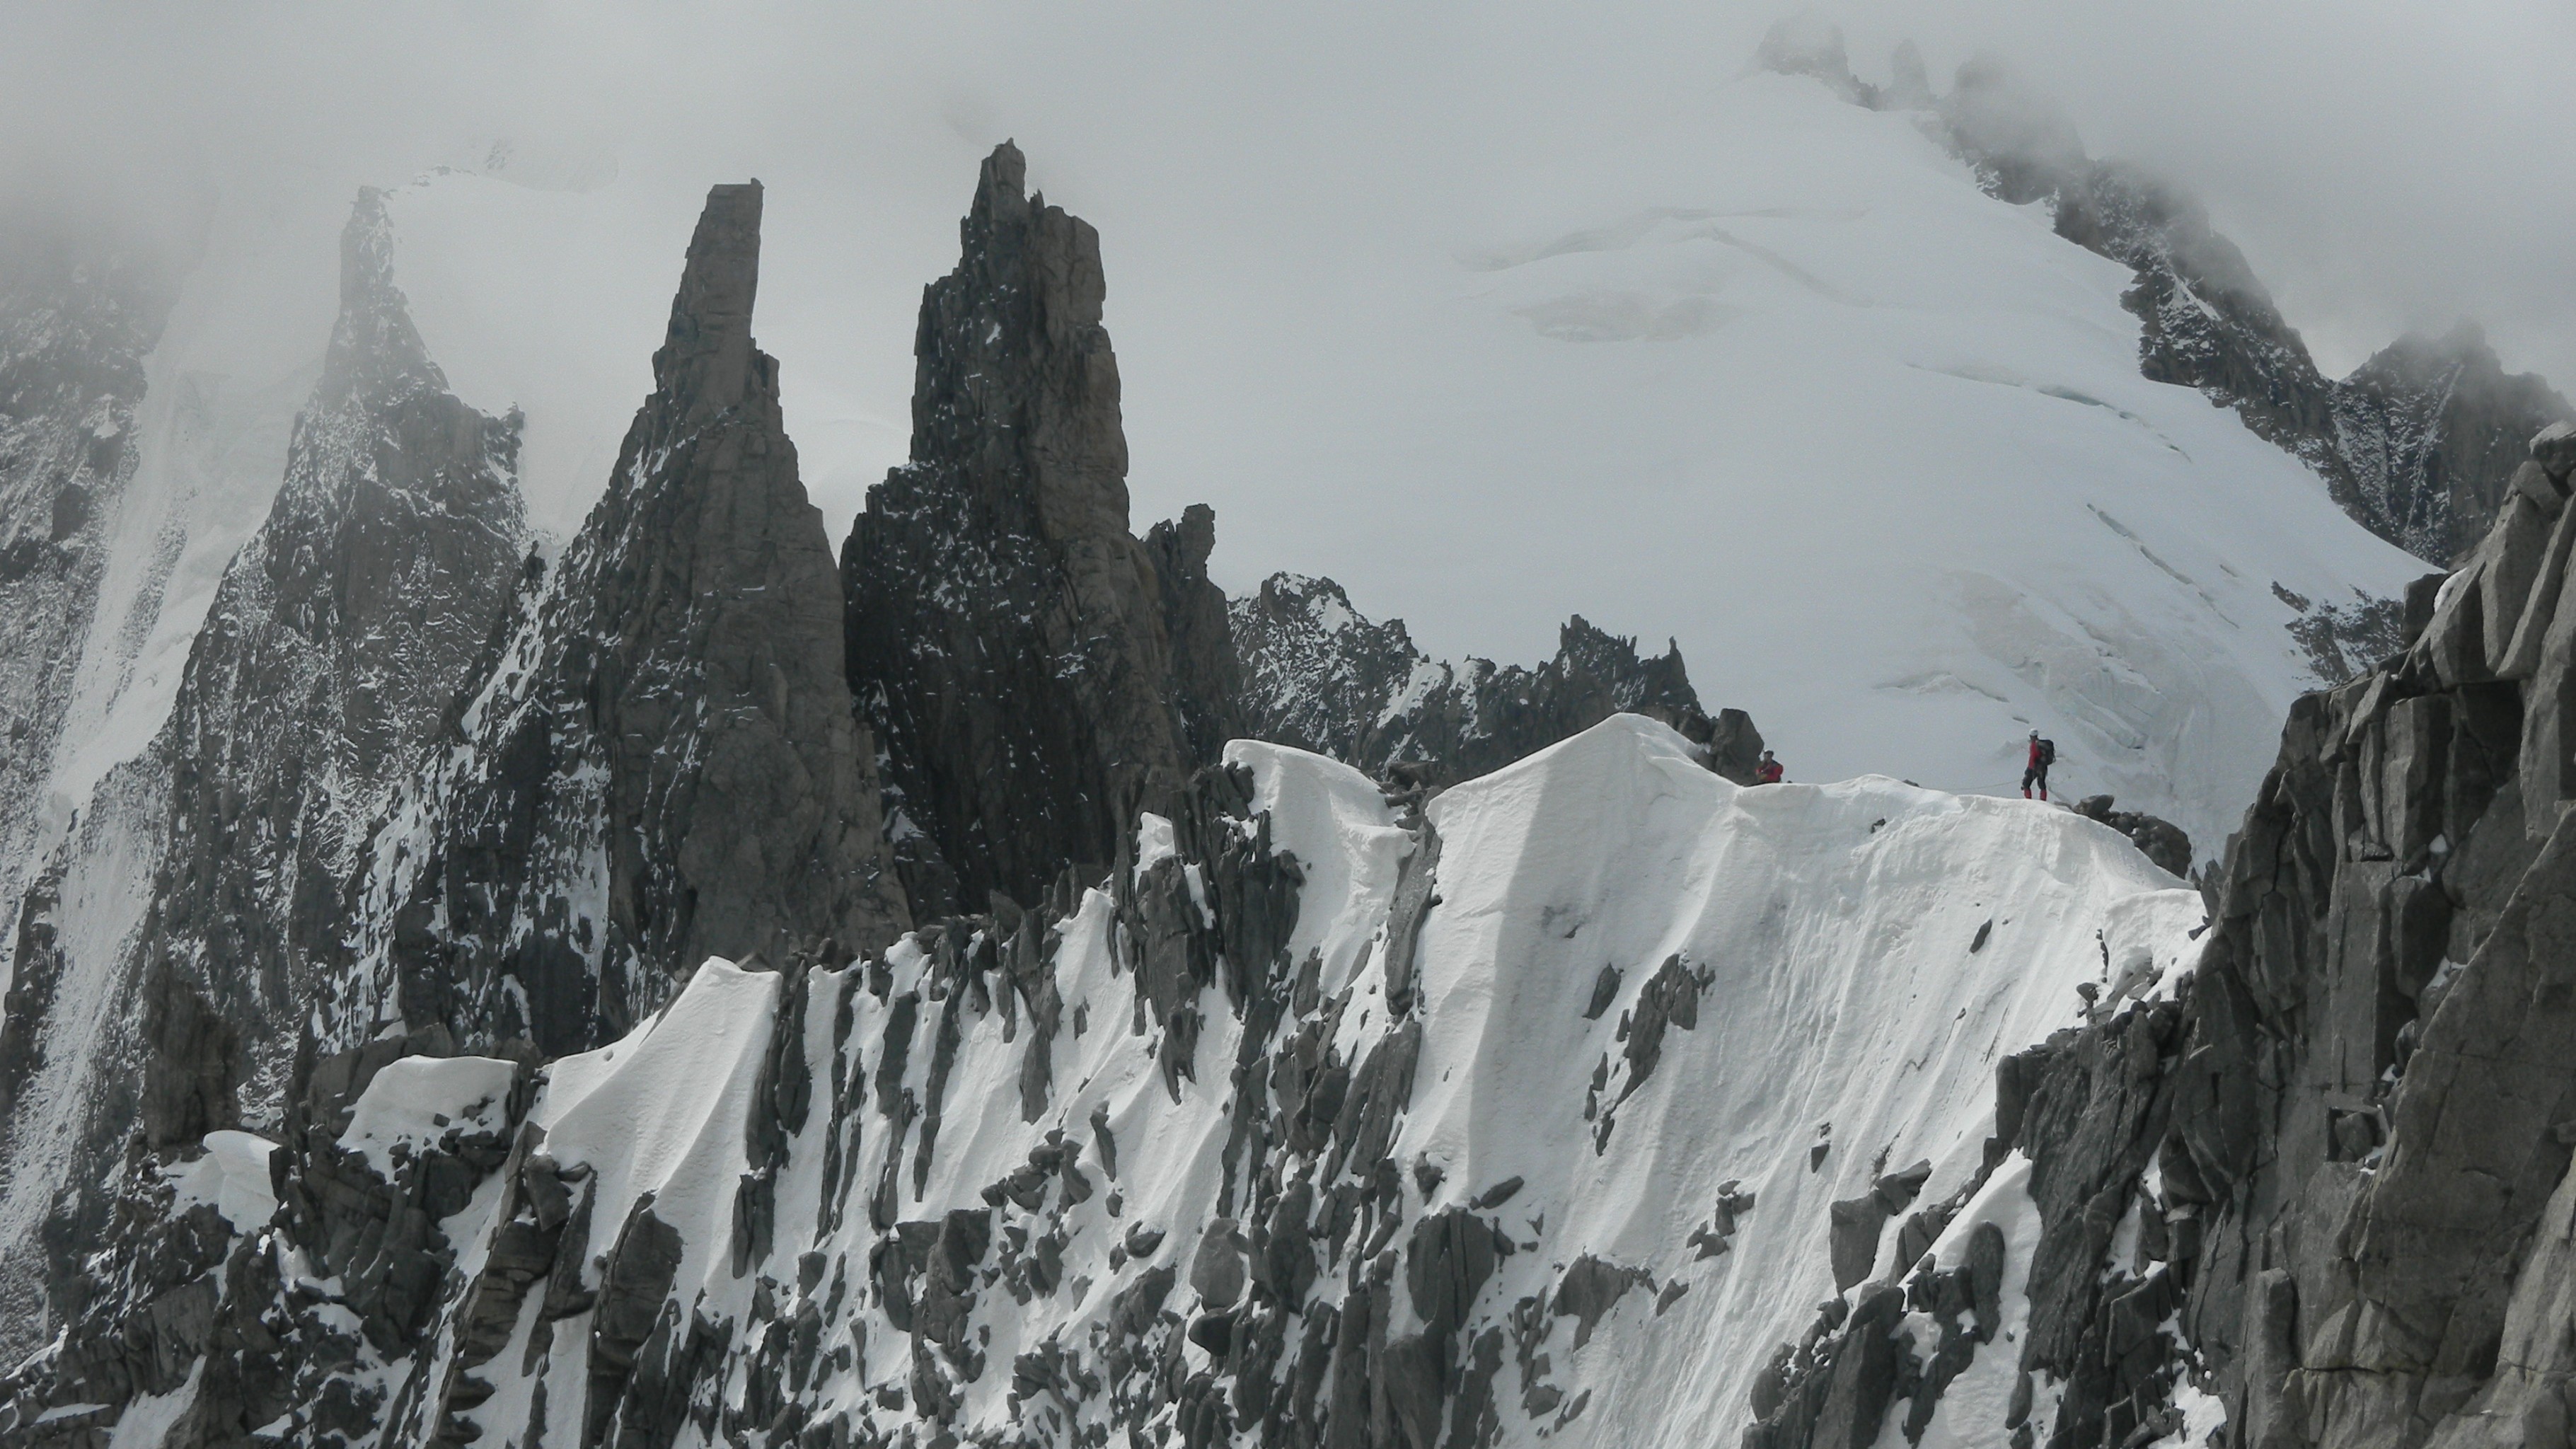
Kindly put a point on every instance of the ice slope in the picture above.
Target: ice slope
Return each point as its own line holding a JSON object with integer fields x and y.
{"x": 1755, "y": 368}
{"x": 1843, "y": 1006}
{"x": 1775, "y": 377}
{"x": 237, "y": 358}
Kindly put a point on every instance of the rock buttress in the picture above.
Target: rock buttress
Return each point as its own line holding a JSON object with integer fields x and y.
{"x": 1009, "y": 637}
{"x": 663, "y": 763}
{"x": 336, "y": 645}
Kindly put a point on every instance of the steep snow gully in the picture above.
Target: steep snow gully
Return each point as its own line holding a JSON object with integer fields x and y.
{"x": 667, "y": 990}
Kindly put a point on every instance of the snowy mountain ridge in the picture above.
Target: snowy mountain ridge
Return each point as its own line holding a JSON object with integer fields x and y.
{"x": 692, "y": 990}
{"x": 1321, "y": 676}
{"x": 1503, "y": 1164}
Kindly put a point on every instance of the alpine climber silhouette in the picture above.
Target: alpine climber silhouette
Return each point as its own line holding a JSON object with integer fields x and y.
{"x": 1768, "y": 772}
{"x": 2043, "y": 753}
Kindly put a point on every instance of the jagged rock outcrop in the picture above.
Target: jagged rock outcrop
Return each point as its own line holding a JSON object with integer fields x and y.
{"x": 1207, "y": 669}
{"x": 328, "y": 661}
{"x": 1319, "y": 675}
{"x": 2433, "y": 428}
{"x": 1033, "y": 676}
{"x": 1289, "y": 1116}
{"x": 334, "y": 647}
{"x": 1284, "y": 1150}
{"x": 661, "y": 763}
{"x": 2158, "y": 840}
{"x": 334, "y": 652}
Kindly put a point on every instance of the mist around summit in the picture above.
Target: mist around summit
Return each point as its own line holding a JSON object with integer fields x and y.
{"x": 1030, "y": 728}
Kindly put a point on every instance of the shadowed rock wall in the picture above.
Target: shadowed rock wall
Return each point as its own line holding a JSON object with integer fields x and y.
{"x": 663, "y": 762}
{"x": 1012, "y": 642}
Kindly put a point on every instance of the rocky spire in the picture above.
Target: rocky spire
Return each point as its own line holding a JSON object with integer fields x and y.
{"x": 1007, "y": 633}
{"x": 665, "y": 763}
{"x": 374, "y": 348}
{"x": 337, "y": 643}
{"x": 707, "y": 359}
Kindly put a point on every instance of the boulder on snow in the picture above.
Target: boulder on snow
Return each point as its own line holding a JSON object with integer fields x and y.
{"x": 2158, "y": 840}
{"x": 1217, "y": 1269}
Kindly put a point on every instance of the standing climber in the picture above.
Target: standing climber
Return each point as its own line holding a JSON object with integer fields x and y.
{"x": 1768, "y": 772}
{"x": 2043, "y": 753}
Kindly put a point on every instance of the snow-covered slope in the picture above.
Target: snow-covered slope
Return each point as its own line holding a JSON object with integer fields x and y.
{"x": 1528, "y": 1117}
{"x": 1768, "y": 374}
{"x": 1875, "y": 447}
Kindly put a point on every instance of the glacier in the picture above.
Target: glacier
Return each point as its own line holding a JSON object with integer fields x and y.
{"x": 1772, "y": 376}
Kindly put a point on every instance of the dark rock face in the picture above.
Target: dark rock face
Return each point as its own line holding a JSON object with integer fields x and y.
{"x": 2355, "y": 1106}
{"x": 1317, "y": 674}
{"x": 1207, "y": 671}
{"x": 1033, "y": 675}
{"x": 337, "y": 643}
{"x": 2342, "y": 640}
{"x": 2433, "y": 428}
{"x": 2158, "y": 840}
{"x": 662, "y": 762}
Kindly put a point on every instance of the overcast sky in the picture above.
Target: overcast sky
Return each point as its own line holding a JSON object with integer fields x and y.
{"x": 2384, "y": 165}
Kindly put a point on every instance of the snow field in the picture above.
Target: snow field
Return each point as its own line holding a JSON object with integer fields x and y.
{"x": 417, "y": 1100}
{"x": 1752, "y": 367}
{"x": 1845, "y": 1008}
{"x": 232, "y": 1175}
{"x": 1835, "y": 925}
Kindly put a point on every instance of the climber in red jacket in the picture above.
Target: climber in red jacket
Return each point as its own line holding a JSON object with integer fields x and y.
{"x": 2043, "y": 753}
{"x": 1768, "y": 772}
